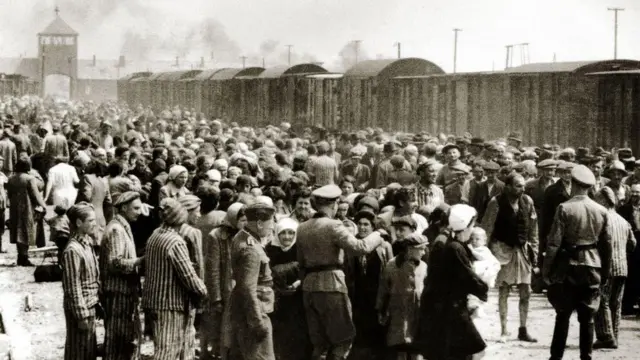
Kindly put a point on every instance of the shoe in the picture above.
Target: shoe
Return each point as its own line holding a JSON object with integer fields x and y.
{"x": 24, "y": 261}
{"x": 523, "y": 335}
{"x": 610, "y": 344}
{"x": 504, "y": 337}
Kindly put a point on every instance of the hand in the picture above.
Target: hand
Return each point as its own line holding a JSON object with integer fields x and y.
{"x": 86, "y": 323}
{"x": 536, "y": 270}
{"x": 296, "y": 284}
{"x": 139, "y": 261}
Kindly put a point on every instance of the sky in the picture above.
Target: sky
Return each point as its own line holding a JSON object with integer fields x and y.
{"x": 323, "y": 30}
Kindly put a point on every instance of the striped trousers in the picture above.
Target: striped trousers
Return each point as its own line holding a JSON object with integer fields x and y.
{"x": 80, "y": 344}
{"x": 122, "y": 326}
{"x": 607, "y": 319}
{"x": 174, "y": 335}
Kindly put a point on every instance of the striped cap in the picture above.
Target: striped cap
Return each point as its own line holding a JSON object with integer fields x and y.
{"x": 189, "y": 202}
{"x": 173, "y": 213}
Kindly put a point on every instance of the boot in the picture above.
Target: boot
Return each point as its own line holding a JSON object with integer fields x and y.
{"x": 609, "y": 344}
{"x": 523, "y": 335}
{"x": 23, "y": 260}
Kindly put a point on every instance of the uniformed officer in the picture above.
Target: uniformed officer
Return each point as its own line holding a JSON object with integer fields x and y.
{"x": 322, "y": 242}
{"x": 252, "y": 298}
{"x": 577, "y": 257}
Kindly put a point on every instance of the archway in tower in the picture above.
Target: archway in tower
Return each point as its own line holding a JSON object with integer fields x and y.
{"x": 57, "y": 86}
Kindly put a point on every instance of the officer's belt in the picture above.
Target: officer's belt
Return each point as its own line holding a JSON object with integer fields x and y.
{"x": 321, "y": 268}
{"x": 573, "y": 250}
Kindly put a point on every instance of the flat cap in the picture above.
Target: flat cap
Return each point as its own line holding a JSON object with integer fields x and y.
{"x": 517, "y": 136}
{"x": 259, "y": 211}
{"x": 491, "y": 165}
{"x": 583, "y": 175}
{"x": 369, "y": 201}
{"x": 566, "y": 165}
{"x": 414, "y": 240}
{"x": 460, "y": 168}
{"x": 448, "y": 147}
{"x": 406, "y": 220}
{"x": 547, "y": 164}
{"x": 328, "y": 192}
{"x": 478, "y": 141}
{"x": 125, "y": 197}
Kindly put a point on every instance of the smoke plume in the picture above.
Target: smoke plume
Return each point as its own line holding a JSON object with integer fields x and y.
{"x": 350, "y": 54}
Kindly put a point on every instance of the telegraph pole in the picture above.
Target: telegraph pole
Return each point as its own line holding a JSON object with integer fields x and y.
{"x": 455, "y": 49}
{"x": 244, "y": 60}
{"x": 615, "y": 30}
{"x": 289, "y": 54}
{"x": 399, "y": 46}
{"x": 356, "y": 44}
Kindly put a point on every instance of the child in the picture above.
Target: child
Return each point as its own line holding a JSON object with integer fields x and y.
{"x": 486, "y": 266}
{"x": 398, "y": 300}
{"x": 59, "y": 229}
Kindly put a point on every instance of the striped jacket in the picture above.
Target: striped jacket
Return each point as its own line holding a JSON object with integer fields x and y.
{"x": 117, "y": 259}
{"x": 622, "y": 242}
{"x": 80, "y": 277}
{"x": 324, "y": 170}
{"x": 170, "y": 281}
{"x": 193, "y": 237}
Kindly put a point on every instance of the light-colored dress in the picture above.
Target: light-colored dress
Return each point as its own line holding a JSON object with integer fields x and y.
{"x": 62, "y": 178}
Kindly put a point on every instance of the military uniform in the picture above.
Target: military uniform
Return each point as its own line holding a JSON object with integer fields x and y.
{"x": 322, "y": 242}
{"x": 252, "y": 298}
{"x": 577, "y": 258}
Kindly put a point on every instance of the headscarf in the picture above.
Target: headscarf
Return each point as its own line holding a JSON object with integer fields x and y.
{"x": 173, "y": 213}
{"x": 189, "y": 202}
{"x": 231, "y": 219}
{"x": 175, "y": 171}
{"x": 285, "y": 224}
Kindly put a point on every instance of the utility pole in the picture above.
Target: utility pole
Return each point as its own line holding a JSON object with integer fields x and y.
{"x": 455, "y": 49}
{"x": 615, "y": 30}
{"x": 356, "y": 44}
{"x": 244, "y": 60}
{"x": 263, "y": 63}
{"x": 399, "y": 46}
{"x": 289, "y": 54}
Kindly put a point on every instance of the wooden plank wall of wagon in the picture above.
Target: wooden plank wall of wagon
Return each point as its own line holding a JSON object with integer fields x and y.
{"x": 618, "y": 118}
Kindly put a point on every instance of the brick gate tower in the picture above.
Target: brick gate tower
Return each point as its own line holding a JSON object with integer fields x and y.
{"x": 58, "y": 52}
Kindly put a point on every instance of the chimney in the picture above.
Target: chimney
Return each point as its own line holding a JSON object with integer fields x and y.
{"x": 202, "y": 62}
{"x": 94, "y": 60}
{"x": 177, "y": 64}
{"x": 122, "y": 62}
{"x": 212, "y": 55}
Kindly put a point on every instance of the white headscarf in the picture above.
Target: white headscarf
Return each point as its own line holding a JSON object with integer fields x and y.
{"x": 175, "y": 171}
{"x": 285, "y": 224}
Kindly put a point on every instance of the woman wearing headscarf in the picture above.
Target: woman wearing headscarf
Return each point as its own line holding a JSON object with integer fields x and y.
{"x": 290, "y": 338}
{"x": 80, "y": 284}
{"x": 445, "y": 329}
{"x": 176, "y": 181}
{"x": 363, "y": 275}
{"x": 25, "y": 208}
{"x": 217, "y": 266}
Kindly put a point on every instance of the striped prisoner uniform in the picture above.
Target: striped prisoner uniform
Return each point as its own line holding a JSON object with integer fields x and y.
{"x": 121, "y": 291}
{"x": 193, "y": 238}
{"x": 171, "y": 285}
{"x": 607, "y": 319}
{"x": 80, "y": 284}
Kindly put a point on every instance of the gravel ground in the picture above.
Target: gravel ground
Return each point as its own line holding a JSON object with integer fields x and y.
{"x": 41, "y": 331}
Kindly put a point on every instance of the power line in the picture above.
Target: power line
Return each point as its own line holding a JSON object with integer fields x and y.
{"x": 615, "y": 30}
{"x": 289, "y": 54}
{"x": 399, "y": 46}
{"x": 244, "y": 60}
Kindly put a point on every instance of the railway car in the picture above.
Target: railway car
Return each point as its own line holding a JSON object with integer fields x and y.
{"x": 197, "y": 94}
{"x": 323, "y": 104}
{"x": 17, "y": 85}
{"x": 226, "y": 99}
{"x": 126, "y": 89}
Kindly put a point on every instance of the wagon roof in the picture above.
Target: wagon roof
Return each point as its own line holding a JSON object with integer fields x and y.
{"x": 389, "y": 68}
{"x": 577, "y": 66}
{"x": 206, "y": 74}
{"x": 228, "y": 74}
{"x": 299, "y": 69}
{"x": 620, "y": 72}
{"x": 177, "y": 75}
{"x": 136, "y": 75}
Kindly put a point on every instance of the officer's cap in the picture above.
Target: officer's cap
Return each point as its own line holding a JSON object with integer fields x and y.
{"x": 328, "y": 192}
{"x": 583, "y": 175}
{"x": 259, "y": 211}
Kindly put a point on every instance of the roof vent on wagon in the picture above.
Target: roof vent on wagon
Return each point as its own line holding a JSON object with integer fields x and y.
{"x": 577, "y": 67}
{"x": 369, "y": 86}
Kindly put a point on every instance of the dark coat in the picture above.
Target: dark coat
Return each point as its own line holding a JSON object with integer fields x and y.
{"x": 554, "y": 195}
{"x": 479, "y": 195}
{"x": 445, "y": 329}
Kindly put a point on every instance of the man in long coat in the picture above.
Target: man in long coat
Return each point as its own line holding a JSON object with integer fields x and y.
{"x": 252, "y": 298}
{"x": 577, "y": 257}
{"x": 55, "y": 145}
{"x": 322, "y": 242}
{"x": 512, "y": 230}
{"x": 121, "y": 281}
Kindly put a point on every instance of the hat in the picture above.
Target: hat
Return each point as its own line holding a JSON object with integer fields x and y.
{"x": 173, "y": 213}
{"x": 460, "y": 168}
{"x": 356, "y": 151}
{"x": 259, "y": 211}
{"x": 397, "y": 161}
{"x": 328, "y": 192}
{"x": 616, "y": 165}
{"x": 583, "y": 175}
{"x": 491, "y": 165}
{"x": 124, "y": 198}
{"x": 368, "y": 201}
{"x": 463, "y": 140}
{"x": 625, "y": 153}
{"x": 189, "y": 202}
{"x": 460, "y": 216}
{"x": 406, "y": 220}
{"x": 609, "y": 196}
{"x": 516, "y": 136}
{"x": 414, "y": 240}
{"x": 548, "y": 164}
{"x": 565, "y": 165}
{"x": 448, "y": 147}
{"x": 477, "y": 141}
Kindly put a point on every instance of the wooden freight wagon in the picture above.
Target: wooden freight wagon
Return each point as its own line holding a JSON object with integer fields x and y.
{"x": 125, "y": 87}
{"x": 280, "y": 94}
{"x": 366, "y": 91}
{"x": 171, "y": 89}
{"x": 323, "y": 104}
{"x": 197, "y": 95}
{"x": 139, "y": 91}
{"x": 226, "y": 93}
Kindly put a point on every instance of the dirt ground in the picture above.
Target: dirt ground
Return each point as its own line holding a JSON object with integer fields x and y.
{"x": 41, "y": 331}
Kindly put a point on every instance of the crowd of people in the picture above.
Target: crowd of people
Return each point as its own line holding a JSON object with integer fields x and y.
{"x": 236, "y": 242}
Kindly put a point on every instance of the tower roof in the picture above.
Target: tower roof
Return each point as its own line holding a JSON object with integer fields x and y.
{"x": 58, "y": 27}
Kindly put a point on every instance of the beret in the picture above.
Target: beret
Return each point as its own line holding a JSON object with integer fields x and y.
{"x": 328, "y": 192}
{"x": 259, "y": 211}
{"x": 189, "y": 202}
{"x": 583, "y": 175}
{"x": 125, "y": 197}
{"x": 548, "y": 164}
